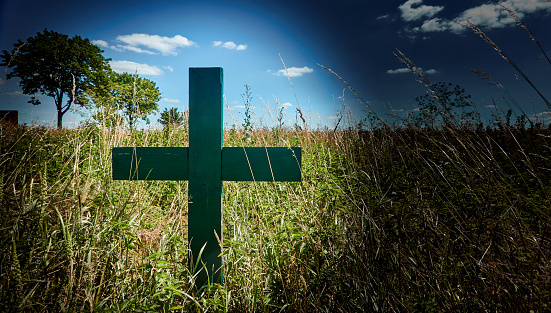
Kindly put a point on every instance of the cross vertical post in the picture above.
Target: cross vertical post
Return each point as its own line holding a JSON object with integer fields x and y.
{"x": 205, "y": 171}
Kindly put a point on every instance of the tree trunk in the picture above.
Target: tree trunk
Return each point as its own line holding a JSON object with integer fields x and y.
{"x": 59, "y": 101}
{"x": 59, "y": 119}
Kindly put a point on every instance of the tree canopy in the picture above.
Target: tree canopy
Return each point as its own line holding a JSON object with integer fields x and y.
{"x": 56, "y": 65}
{"x": 130, "y": 95}
{"x": 443, "y": 101}
{"x": 137, "y": 96}
{"x": 171, "y": 117}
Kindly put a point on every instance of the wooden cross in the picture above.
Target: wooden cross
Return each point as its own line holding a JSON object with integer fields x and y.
{"x": 206, "y": 163}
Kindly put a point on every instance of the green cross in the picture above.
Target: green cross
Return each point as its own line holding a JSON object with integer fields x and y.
{"x": 205, "y": 163}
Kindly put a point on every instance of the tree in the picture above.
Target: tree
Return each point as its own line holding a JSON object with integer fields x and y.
{"x": 443, "y": 101}
{"x": 104, "y": 102}
{"x": 130, "y": 95}
{"x": 55, "y": 65}
{"x": 171, "y": 116}
{"x": 137, "y": 97}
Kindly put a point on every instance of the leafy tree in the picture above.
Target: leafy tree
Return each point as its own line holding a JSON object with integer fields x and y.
{"x": 104, "y": 102}
{"x": 170, "y": 117}
{"x": 444, "y": 101}
{"x": 133, "y": 96}
{"x": 136, "y": 96}
{"x": 56, "y": 65}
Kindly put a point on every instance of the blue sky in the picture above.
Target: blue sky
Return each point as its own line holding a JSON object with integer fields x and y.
{"x": 250, "y": 39}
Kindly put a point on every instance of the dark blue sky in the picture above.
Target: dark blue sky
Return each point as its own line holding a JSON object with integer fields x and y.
{"x": 354, "y": 38}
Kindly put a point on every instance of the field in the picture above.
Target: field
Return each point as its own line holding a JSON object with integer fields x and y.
{"x": 387, "y": 218}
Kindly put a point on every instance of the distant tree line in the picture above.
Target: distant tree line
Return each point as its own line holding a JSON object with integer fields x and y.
{"x": 73, "y": 71}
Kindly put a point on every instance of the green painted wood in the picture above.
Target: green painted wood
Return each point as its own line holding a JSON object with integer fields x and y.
{"x": 261, "y": 164}
{"x": 205, "y": 171}
{"x": 150, "y": 163}
{"x": 171, "y": 163}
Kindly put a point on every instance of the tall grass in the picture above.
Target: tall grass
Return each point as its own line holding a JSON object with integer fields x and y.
{"x": 392, "y": 218}
{"x": 401, "y": 219}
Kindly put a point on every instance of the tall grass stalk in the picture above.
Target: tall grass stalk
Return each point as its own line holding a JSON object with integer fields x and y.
{"x": 388, "y": 218}
{"x": 385, "y": 220}
{"x": 475, "y": 29}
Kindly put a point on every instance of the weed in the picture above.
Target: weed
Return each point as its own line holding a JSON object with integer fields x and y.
{"x": 400, "y": 218}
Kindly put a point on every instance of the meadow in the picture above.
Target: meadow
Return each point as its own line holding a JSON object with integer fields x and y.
{"x": 388, "y": 218}
{"x": 430, "y": 211}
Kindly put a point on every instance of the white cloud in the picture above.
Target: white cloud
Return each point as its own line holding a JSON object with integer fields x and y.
{"x": 286, "y": 105}
{"x": 493, "y": 16}
{"x": 117, "y": 48}
{"x": 135, "y": 49}
{"x": 528, "y": 6}
{"x": 544, "y": 117}
{"x": 398, "y": 71}
{"x": 543, "y": 114}
{"x": 229, "y": 45}
{"x": 170, "y": 68}
{"x": 165, "y": 45}
{"x": 294, "y": 71}
{"x": 100, "y": 43}
{"x": 15, "y": 93}
{"x": 383, "y": 17}
{"x": 486, "y": 16}
{"x": 171, "y": 100}
{"x": 435, "y": 25}
{"x": 411, "y": 13}
{"x": 132, "y": 67}
{"x": 405, "y": 70}
{"x": 235, "y": 107}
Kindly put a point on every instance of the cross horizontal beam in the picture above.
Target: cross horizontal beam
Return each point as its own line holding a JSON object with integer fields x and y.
{"x": 150, "y": 163}
{"x": 238, "y": 163}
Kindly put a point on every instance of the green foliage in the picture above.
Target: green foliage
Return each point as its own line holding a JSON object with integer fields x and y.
{"x": 385, "y": 220}
{"x": 132, "y": 96}
{"x": 171, "y": 117}
{"x": 440, "y": 219}
{"x": 276, "y": 131}
{"x": 56, "y": 65}
{"x": 441, "y": 104}
{"x": 433, "y": 215}
{"x": 247, "y": 120}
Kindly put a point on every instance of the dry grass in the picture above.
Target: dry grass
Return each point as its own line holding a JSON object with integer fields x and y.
{"x": 385, "y": 220}
{"x": 388, "y": 218}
